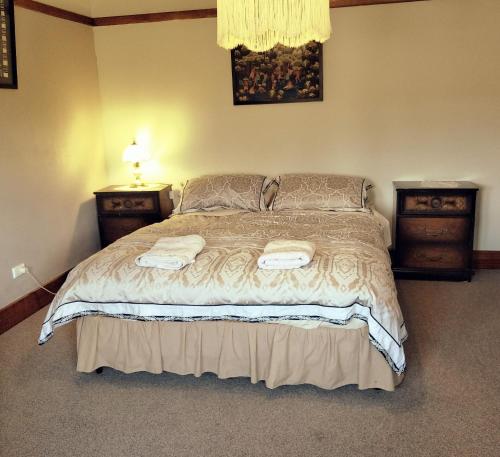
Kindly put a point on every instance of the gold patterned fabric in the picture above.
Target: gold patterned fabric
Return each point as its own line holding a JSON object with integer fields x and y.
{"x": 315, "y": 191}
{"x": 223, "y": 191}
{"x": 349, "y": 276}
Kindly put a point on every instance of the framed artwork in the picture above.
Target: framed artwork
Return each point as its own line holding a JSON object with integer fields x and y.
{"x": 8, "y": 70}
{"x": 280, "y": 75}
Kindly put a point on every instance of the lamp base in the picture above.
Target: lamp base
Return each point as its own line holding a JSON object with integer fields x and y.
{"x": 137, "y": 174}
{"x": 135, "y": 185}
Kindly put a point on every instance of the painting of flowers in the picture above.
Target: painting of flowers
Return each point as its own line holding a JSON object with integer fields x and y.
{"x": 280, "y": 75}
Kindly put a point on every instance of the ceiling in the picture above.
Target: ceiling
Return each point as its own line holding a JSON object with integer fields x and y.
{"x": 97, "y": 8}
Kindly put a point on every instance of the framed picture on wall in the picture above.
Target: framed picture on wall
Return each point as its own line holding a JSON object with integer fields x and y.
{"x": 280, "y": 75}
{"x": 8, "y": 70}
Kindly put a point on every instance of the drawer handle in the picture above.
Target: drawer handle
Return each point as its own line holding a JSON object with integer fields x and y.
{"x": 435, "y": 233}
{"x": 436, "y": 202}
{"x": 127, "y": 204}
{"x": 116, "y": 203}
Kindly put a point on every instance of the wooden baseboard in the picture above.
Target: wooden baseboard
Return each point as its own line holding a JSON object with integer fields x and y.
{"x": 23, "y": 308}
{"x": 486, "y": 260}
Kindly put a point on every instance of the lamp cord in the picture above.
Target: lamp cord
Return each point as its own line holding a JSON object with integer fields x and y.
{"x": 38, "y": 282}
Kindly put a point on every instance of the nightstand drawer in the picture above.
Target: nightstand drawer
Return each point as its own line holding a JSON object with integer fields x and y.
{"x": 433, "y": 257}
{"x": 436, "y": 203}
{"x": 128, "y": 204}
{"x": 434, "y": 229}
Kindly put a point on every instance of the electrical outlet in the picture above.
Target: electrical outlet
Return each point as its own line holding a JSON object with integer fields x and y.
{"x": 19, "y": 270}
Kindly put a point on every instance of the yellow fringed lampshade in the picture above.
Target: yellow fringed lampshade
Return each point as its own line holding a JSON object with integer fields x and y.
{"x": 262, "y": 24}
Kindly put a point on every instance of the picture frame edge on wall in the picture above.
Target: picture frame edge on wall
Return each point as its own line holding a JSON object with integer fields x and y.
{"x": 234, "y": 80}
{"x": 11, "y": 47}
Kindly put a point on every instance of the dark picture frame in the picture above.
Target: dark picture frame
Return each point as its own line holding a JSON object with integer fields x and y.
{"x": 280, "y": 75}
{"x": 8, "y": 64}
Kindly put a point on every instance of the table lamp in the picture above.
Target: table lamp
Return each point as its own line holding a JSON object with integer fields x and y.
{"x": 136, "y": 154}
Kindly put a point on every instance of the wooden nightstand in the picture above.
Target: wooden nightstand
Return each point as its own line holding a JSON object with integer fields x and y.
{"x": 122, "y": 210}
{"x": 434, "y": 230}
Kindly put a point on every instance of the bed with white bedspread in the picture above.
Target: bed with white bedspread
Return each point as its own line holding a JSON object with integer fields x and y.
{"x": 332, "y": 322}
{"x": 349, "y": 277}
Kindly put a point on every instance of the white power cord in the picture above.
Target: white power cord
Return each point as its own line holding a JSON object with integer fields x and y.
{"x": 38, "y": 282}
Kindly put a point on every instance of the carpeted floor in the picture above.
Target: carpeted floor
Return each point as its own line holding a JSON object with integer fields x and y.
{"x": 448, "y": 404}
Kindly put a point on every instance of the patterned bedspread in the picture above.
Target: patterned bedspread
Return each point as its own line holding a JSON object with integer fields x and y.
{"x": 350, "y": 276}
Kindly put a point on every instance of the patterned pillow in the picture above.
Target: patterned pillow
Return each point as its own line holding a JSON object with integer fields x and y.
{"x": 223, "y": 191}
{"x": 325, "y": 192}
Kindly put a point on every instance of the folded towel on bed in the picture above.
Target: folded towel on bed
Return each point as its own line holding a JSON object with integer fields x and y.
{"x": 286, "y": 254}
{"x": 172, "y": 253}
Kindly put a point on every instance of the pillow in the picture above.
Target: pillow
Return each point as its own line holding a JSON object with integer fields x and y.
{"x": 223, "y": 191}
{"x": 324, "y": 192}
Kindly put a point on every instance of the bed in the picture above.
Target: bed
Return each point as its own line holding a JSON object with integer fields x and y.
{"x": 333, "y": 322}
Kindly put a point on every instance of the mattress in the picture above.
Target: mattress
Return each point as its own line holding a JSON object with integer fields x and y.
{"x": 349, "y": 277}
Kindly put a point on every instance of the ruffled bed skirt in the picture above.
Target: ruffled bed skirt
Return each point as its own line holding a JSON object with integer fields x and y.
{"x": 274, "y": 353}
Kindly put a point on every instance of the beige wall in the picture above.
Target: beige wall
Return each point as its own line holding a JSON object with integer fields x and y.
{"x": 51, "y": 156}
{"x": 411, "y": 92}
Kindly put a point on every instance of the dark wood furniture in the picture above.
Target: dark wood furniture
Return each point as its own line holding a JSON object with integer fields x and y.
{"x": 434, "y": 230}
{"x": 122, "y": 209}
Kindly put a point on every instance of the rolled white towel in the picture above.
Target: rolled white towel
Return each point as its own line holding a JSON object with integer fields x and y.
{"x": 286, "y": 254}
{"x": 172, "y": 253}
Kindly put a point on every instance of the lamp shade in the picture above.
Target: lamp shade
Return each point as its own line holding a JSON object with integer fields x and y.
{"x": 262, "y": 24}
{"x": 135, "y": 153}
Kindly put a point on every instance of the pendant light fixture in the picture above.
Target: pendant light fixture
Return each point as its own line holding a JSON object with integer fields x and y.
{"x": 262, "y": 24}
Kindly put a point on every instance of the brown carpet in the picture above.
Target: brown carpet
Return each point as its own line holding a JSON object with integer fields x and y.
{"x": 447, "y": 406}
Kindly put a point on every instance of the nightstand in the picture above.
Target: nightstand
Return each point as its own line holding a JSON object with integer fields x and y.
{"x": 122, "y": 209}
{"x": 434, "y": 229}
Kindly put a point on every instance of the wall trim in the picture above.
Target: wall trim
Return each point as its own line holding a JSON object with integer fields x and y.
{"x": 166, "y": 15}
{"x": 23, "y": 308}
{"x": 486, "y": 260}
{"x": 348, "y": 3}
{"x": 54, "y": 11}
{"x": 155, "y": 17}
{"x": 212, "y": 12}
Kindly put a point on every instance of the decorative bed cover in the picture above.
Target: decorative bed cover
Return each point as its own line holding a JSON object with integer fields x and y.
{"x": 350, "y": 276}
